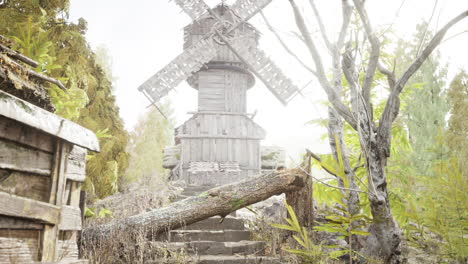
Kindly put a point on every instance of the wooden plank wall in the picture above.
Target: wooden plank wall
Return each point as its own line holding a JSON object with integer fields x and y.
{"x": 220, "y": 125}
{"x": 211, "y": 95}
{"x": 40, "y": 178}
{"x": 221, "y": 90}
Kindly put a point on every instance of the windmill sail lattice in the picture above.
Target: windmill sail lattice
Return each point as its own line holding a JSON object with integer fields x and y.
{"x": 194, "y": 8}
{"x": 246, "y": 9}
{"x": 183, "y": 66}
{"x": 267, "y": 71}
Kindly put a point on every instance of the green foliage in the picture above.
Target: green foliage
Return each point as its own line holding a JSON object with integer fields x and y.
{"x": 424, "y": 100}
{"x": 310, "y": 252}
{"x": 104, "y": 213}
{"x": 457, "y": 133}
{"x": 147, "y": 141}
{"x": 89, "y": 212}
{"x": 341, "y": 220}
{"x": 41, "y": 31}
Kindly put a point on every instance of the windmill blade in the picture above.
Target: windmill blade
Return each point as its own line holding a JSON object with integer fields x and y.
{"x": 245, "y": 9}
{"x": 266, "y": 70}
{"x": 184, "y": 65}
{"x": 194, "y": 8}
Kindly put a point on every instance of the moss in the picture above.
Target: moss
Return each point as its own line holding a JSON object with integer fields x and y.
{"x": 4, "y": 96}
{"x": 273, "y": 155}
{"x": 237, "y": 203}
{"x": 204, "y": 194}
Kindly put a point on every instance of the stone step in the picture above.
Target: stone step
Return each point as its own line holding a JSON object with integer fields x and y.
{"x": 244, "y": 247}
{"x": 236, "y": 260}
{"x": 213, "y": 223}
{"x": 208, "y": 235}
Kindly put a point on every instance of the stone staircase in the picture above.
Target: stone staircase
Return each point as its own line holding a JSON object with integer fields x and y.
{"x": 213, "y": 241}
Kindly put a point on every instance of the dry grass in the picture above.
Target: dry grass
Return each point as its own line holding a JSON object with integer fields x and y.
{"x": 132, "y": 247}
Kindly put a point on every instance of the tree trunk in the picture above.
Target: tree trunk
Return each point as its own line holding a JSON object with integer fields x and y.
{"x": 302, "y": 200}
{"x": 385, "y": 235}
{"x": 217, "y": 201}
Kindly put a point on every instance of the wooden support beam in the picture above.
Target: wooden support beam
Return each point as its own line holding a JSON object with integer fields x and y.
{"x": 219, "y": 136}
{"x": 12, "y": 223}
{"x": 219, "y": 113}
{"x": 17, "y": 206}
{"x": 49, "y": 237}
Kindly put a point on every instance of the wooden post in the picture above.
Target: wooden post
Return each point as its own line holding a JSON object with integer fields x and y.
{"x": 49, "y": 237}
{"x": 82, "y": 208}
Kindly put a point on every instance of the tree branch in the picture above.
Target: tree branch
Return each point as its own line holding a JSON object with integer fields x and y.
{"x": 334, "y": 98}
{"x": 321, "y": 26}
{"x": 393, "y": 103}
{"x": 285, "y": 47}
{"x": 390, "y": 75}
{"x": 13, "y": 54}
{"x": 374, "y": 52}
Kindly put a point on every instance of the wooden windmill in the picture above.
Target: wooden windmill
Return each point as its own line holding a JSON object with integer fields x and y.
{"x": 220, "y": 143}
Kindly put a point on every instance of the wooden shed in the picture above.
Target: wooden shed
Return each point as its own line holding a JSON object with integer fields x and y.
{"x": 42, "y": 167}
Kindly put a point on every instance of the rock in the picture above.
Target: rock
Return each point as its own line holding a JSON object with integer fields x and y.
{"x": 271, "y": 210}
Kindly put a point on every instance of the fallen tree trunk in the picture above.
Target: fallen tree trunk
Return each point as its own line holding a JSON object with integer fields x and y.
{"x": 217, "y": 201}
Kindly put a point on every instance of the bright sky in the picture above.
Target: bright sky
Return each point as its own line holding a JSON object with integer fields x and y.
{"x": 142, "y": 36}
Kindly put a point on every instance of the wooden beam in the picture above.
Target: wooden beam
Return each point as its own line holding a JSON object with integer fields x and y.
{"x": 18, "y": 158}
{"x": 12, "y": 223}
{"x": 219, "y": 136}
{"x": 49, "y": 237}
{"x": 17, "y": 206}
{"x": 70, "y": 218}
{"x": 219, "y": 113}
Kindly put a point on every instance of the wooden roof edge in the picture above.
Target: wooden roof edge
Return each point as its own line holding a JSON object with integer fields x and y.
{"x": 17, "y": 109}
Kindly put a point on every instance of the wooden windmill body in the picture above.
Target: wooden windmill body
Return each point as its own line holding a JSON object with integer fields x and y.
{"x": 220, "y": 143}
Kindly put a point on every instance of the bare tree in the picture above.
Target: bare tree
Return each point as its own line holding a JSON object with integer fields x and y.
{"x": 374, "y": 137}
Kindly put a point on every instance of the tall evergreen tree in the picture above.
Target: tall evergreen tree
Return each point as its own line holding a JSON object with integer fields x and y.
{"x": 457, "y": 133}
{"x": 424, "y": 104}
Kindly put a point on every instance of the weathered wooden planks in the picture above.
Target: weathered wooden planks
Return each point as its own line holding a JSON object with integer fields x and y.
{"x": 16, "y": 109}
{"x": 17, "y": 132}
{"x": 12, "y": 223}
{"x": 26, "y": 185}
{"x": 19, "y": 246}
{"x": 17, "y": 206}
{"x": 70, "y": 218}
{"x": 76, "y": 165}
{"x": 18, "y": 158}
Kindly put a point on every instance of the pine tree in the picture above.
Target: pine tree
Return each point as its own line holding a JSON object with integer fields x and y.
{"x": 424, "y": 104}
{"x": 457, "y": 133}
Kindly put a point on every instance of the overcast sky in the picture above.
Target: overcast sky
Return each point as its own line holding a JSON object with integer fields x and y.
{"x": 142, "y": 36}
